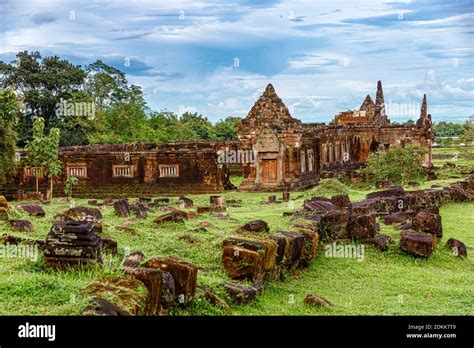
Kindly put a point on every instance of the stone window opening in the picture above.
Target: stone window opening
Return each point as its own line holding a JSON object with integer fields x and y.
{"x": 169, "y": 170}
{"x": 79, "y": 171}
{"x": 122, "y": 171}
{"x": 31, "y": 172}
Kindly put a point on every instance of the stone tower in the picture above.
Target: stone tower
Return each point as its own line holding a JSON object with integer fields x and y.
{"x": 380, "y": 117}
{"x": 369, "y": 107}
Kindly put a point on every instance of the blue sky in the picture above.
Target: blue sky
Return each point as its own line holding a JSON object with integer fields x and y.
{"x": 216, "y": 57}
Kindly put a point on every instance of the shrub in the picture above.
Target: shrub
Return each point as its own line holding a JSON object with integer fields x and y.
{"x": 327, "y": 187}
{"x": 396, "y": 165}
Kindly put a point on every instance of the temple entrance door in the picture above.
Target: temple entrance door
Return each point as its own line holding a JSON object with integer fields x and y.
{"x": 268, "y": 171}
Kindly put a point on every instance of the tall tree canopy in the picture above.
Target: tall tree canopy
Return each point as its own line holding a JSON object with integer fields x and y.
{"x": 9, "y": 112}
{"x": 120, "y": 113}
{"x": 41, "y": 82}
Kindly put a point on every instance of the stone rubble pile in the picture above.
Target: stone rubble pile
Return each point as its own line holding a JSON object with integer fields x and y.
{"x": 71, "y": 244}
{"x": 259, "y": 256}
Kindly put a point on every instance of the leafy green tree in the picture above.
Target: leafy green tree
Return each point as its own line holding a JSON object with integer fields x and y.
{"x": 168, "y": 127}
{"x": 9, "y": 111}
{"x": 227, "y": 129}
{"x": 42, "y": 82}
{"x": 199, "y": 124}
{"x": 395, "y": 164}
{"x": 447, "y": 129}
{"x": 467, "y": 138}
{"x": 43, "y": 151}
{"x": 105, "y": 84}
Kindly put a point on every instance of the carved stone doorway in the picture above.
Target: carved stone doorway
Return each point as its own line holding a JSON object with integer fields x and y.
{"x": 268, "y": 171}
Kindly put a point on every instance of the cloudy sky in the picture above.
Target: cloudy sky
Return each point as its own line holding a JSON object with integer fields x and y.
{"x": 216, "y": 57}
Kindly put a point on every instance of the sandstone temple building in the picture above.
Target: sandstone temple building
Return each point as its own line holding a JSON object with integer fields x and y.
{"x": 275, "y": 152}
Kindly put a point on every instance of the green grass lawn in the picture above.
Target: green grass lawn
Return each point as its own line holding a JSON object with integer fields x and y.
{"x": 390, "y": 283}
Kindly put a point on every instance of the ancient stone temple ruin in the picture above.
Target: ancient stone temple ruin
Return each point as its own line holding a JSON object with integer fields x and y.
{"x": 292, "y": 155}
{"x": 275, "y": 151}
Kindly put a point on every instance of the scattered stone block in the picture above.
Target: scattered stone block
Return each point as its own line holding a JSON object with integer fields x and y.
{"x": 428, "y": 223}
{"x": 294, "y": 249}
{"x": 170, "y": 217}
{"x": 282, "y": 243}
{"x": 152, "y": 278}
{"x": 341, "y": 201}
{"x": 318, "y": 206}
{"x": 362, "y": 226}
{"x": 458, "y": 248}
{"x": 13, "y": 240}
{"x": 271, "y": 199}
{"x": 72, "y": 243}
{"x": 254, "y": 226}
{"x": 145, "y": 201}
{"x": 185, "y": 202}
{"x": 126, "y": 292}
{"x": 21, "y": 226}
{"x": 32, "y": 209}
{"x": 84, "y": 214}
{"x": 184, "y": 274}
{"x": 312, "y": 299}
{"x": 286, "y": 196}
{"x": 134, "y": 259}
{"x": 140, "y": 211}
{"x": 217, "y": 200}
{"x": 417, "y": 244}
{"x": 381, "y": 242}
{"x": 310, "y": 247}
{"x": 101, "y": 307}
{"x": 214, "y": 208}
{"x": 168, "y": 291}
{"x": 220, "y": 216}
{"x": 267, "y": 248}
{"x": 122, "y": 208}
{"x": 92, "y": 202}
{"x": 396, "y": 218}
{"x": 334, "y": 224}
{"x": 241, "y": 263}
{"x": 240, "y": 294}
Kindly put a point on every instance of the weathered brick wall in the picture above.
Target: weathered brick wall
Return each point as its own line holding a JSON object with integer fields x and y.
{"x": 198, "y": 169}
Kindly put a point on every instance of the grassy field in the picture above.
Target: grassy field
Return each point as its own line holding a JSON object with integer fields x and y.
{"x": 390, "y": 283}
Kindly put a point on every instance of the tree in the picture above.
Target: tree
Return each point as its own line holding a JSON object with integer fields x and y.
{"x": 199, "y": 124}
{"x": 227, "y": 129}
{"x": 42, "y": 83}
{"x": 9, "y": 110}
{"x": 395, "y": 164}
{"x": 467, "y": 138}
{"x": 167, "y": 127}
{"x": 43, "y": 151}
{"x": 105, "y": 84}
